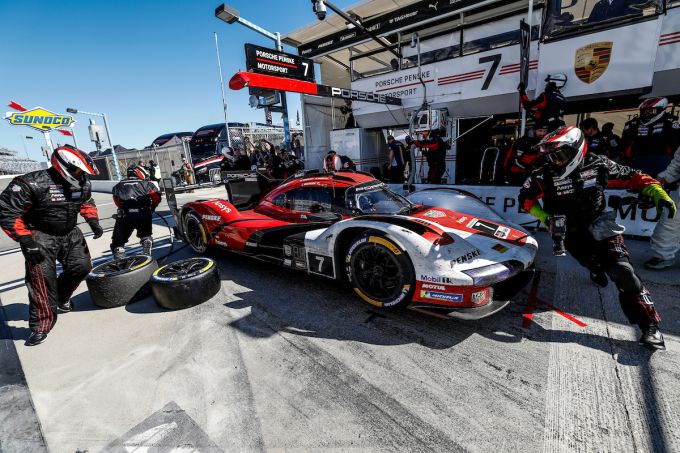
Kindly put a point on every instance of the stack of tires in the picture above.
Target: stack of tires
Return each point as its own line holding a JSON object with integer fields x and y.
{"x": 181, "y": 284}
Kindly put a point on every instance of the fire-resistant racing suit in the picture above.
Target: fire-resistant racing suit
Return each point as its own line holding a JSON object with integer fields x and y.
{"x": 581, "y": 198}
{"x": 665, "y": 241}
{"x": 434, "y": 150}
{"x": 547, "y": 108}
{"x": 520, "y": 159}
{"x": 41, "y": 206}
{"x": 136, "y": 200}
{"x": 650, "y": 147}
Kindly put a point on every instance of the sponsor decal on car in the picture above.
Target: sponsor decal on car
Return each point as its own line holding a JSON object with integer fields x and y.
{"x": 447, "y": 297}
{"x": 434, "y": 279}
{"x": 222, "y": 207}
{"x": 462, "y": 219}
{"x": 211, "y": 218}
{"x": 433, "y": 286}
{"x": 251, "y": 244}
{"x": 222, "y": 243}
{"x": 287, "y": 250}
{"x": 467, "y": 257}
{"x": 480, "y": 297}
{"x": 287, "y": 262}
{"x": 500, "y": 248}
{"x": 502, "y": 232}
{"x": 351, "y": 250}
{"x": 433, "y": 213}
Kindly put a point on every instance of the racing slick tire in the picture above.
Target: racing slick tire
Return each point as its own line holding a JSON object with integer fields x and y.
{"x": 380, "y": 271}
{"x": 195, "y": 232}
{"x": 185, "y": 283}
{"x": 118, "y": 282}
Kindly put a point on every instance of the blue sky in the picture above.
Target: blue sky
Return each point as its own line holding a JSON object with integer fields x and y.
{"x": 149, "y": 65}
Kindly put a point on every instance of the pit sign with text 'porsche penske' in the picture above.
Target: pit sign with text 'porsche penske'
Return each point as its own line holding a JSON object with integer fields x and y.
{"x": 39, "y": 118}
{"x": 268, "y": 61}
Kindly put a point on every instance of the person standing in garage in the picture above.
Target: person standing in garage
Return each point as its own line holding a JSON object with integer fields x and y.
{"x": 40, "y": 211}
{"x": 137, "y": 199}
{"x": 434, "y": 150}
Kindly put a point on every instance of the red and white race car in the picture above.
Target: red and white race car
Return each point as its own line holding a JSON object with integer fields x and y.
{"x": 394, "y": 251}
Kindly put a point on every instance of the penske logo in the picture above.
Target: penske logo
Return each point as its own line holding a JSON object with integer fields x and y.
{"x": 40, "y": 119}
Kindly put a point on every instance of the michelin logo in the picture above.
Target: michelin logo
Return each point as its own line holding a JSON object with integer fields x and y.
{"x": 447, "y": 297}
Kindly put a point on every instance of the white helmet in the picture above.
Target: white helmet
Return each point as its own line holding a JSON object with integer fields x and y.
{"x": 558, "y": 80}
{"x": 652, "y": 109}
{"x": 564, "y": 150}
{"x": 73, "y": 165}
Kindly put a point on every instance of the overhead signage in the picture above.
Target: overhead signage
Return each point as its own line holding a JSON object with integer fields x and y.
{"x": 427, "y": 10}
{"x": 39, "y": 118}
{"x": 253, "y": 80}
{"x": 268, "y": 61}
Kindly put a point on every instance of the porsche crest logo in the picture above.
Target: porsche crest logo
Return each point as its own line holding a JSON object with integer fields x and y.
{"x": 592, "y": 60}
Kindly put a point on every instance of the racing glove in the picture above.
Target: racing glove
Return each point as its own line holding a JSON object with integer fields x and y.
{"x": 96, "y": 229}
{"x": 31, "y": 250}
{"x": 661, "y": 199}
{"x": 541, "y": 215}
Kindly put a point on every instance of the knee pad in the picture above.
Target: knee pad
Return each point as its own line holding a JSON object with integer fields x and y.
{"x": 623, "y": 275}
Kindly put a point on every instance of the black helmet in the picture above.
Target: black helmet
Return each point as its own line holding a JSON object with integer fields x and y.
{"x": 137, "y": 171}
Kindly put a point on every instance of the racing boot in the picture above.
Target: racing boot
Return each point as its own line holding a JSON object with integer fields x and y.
{"x": 599, "y": 278}
{"x": 66, "y": 306}
{"x": 118, "y": 253}
{"x": 147, "y": 244}
{"x": 36, "y": 338}
{"x": 658, "y": 263}
{"x": 652, "y": 338}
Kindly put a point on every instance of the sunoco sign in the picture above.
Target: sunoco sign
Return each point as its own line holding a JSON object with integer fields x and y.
{"x": 40, "y": 119}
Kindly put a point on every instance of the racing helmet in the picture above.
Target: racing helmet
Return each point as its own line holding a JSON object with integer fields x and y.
{"x": 332, "y": 162}
{"x": 137, "y": 171}
{"x": 556, "y": 81}
{"x": 73, "y": 165}
{"x": 652, "y": 109}
{"x": 563, "y": 150}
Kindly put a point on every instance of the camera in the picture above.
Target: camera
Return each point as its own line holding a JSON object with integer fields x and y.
{"x": 319, "y": 8}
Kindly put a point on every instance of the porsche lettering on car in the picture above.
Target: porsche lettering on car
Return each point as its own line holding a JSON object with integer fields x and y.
{"x": 438, "y": 250}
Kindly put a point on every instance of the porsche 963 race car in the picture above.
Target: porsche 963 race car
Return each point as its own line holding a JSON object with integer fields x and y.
{"x": 348, "y": 226}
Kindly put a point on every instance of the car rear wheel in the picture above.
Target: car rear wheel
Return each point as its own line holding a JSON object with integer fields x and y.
{"x": 185, "y": 283}
{"x": 380, "y": 271}
{"x": 119, "y": 282}
{"x": 195, "y": 233}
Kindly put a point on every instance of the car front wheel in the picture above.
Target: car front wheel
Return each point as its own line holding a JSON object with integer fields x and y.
{"x": 379, "y": 271}
{"x": 195, "y": 233}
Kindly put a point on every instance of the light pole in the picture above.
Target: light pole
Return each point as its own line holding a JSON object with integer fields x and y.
{"x": 224, "y": 100}
{"x": 230, "y": 15}
{"x": 108, "y": 135}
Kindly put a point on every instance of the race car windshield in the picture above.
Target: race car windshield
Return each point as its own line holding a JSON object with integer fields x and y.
{"x": 376, "y": 198}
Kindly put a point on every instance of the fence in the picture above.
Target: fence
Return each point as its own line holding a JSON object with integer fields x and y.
{"x": 168, "y": 159}
{"x": 13, "y": 165}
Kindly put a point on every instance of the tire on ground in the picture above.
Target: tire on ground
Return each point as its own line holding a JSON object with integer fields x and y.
{"x": 185, "y": 283}
{"x": 380, "y": 271}
{"x": 195, "y": 232}
{"x": 118, "y": 282}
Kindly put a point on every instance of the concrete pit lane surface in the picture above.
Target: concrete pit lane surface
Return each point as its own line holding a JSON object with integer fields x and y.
{"x": 279, "y": 360}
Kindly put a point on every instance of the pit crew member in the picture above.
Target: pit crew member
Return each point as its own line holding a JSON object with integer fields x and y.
{"x": 665, "y": 241}
{"x": 572, "y": 184}
{"x": 649, "y": 140}
{"x": 336, "y": 162}
{"x": 550, "y": 105}
{"x": 522, "y": 155}
{"x": 40, "y": 211}
{"x": 434, "y": 150}
{"x": 137, "y": 199}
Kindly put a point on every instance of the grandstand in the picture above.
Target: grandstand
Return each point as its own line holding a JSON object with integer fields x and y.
{"x": 11, "y": 164}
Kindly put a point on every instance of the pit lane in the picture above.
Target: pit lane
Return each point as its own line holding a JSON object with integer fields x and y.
{"x": 280, "y": 360}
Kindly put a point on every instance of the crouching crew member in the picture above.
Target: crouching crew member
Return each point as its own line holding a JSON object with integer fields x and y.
{"x": 572, "y": 184}
{"x": 40, "y": 211}
{"x": 136, "y": 198}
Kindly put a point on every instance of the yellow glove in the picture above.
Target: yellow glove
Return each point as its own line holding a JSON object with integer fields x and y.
{"x": 661, "y": 199}
{"x": 540, "y": 214}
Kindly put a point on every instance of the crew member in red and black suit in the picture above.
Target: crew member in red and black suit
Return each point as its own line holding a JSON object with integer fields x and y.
{"x": 434, "y": 150}
{"x": 40, "y": 211}
{"x": 572, "y": 184}
{"x": 137, "y": 199}
{"x": 522, "y": 155}
{"x": 550, "y": 105}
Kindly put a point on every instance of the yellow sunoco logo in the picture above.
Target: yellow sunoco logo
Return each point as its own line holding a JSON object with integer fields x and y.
{"x": 39, "y": 118}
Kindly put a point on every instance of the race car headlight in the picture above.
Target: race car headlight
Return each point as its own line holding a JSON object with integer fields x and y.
{"x": 201, "y": 170}
{"x": 494, "y": 273}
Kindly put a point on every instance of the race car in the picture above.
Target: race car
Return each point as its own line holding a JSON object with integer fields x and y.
{"x": 350, "y": 227}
